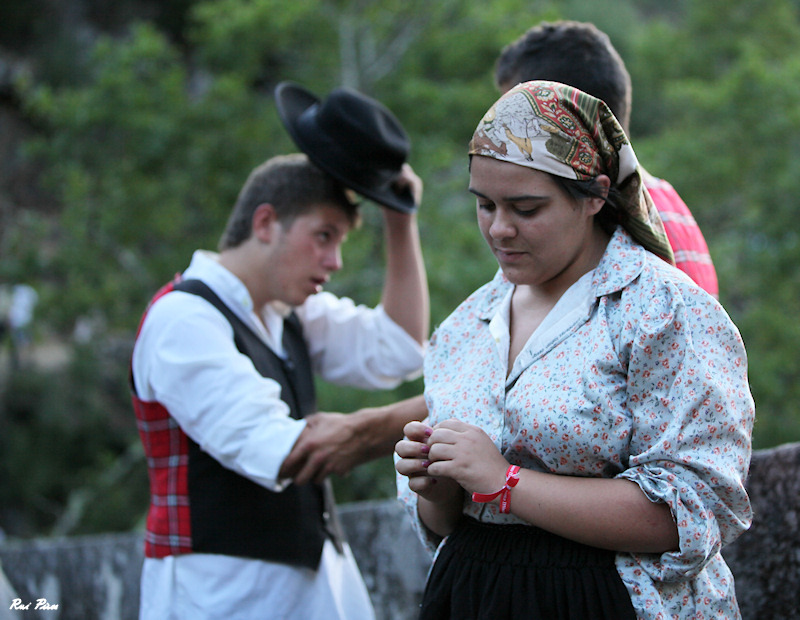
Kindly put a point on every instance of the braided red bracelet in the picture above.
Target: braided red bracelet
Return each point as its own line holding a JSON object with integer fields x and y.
{"x": 512, "y": 478}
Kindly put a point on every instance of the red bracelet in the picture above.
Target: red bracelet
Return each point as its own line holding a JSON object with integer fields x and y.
{"x": 512, "y": 478}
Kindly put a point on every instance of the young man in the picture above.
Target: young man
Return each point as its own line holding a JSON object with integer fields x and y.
{"x": 222, "y": 374}
{"x": 574, "y": 53}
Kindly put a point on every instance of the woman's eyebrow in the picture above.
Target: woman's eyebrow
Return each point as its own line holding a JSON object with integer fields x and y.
{"x": 520, "y": 198}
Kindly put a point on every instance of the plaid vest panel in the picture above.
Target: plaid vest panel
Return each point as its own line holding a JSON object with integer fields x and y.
{"x": 166, "y": 447}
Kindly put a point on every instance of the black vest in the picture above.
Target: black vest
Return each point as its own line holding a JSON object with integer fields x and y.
{"x": 233, "y": 515}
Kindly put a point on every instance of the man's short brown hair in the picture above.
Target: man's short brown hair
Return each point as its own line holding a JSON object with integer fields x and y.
{"x": 292, "y": 185}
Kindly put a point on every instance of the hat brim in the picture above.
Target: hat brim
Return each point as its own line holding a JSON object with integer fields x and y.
{"x": 292, "y": 101}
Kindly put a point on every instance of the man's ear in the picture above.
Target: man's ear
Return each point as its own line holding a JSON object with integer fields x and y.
{"x": 264, "y": 221}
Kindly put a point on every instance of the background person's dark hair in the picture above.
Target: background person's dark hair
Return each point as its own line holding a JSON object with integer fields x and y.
{"x": 574, "y": 53}
{"x": 293, "y": 186}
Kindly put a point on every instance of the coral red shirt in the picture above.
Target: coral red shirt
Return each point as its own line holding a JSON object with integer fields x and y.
{"x": 684, "y": 235}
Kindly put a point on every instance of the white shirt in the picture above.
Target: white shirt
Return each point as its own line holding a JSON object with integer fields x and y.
{"x": 185, "y": 358}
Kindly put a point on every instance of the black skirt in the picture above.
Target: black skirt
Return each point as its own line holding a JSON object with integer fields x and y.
{"x": 495, "y": 572}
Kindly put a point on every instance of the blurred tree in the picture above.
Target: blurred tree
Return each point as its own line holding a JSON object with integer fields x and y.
{"x": 145, "y": 167}
{"x": 730, "y": 139}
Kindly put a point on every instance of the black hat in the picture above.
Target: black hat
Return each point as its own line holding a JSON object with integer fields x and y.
{"x": 355, "y": 139}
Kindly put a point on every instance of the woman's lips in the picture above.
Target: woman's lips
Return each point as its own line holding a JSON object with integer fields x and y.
{"x": 508, "y": 255}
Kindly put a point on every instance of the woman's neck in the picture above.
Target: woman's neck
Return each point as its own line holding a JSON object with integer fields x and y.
{"x": 530, "y": 304}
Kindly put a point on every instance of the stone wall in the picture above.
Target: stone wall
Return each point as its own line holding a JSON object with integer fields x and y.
{"x": 97, "y": 577}
{"x": 766, "y": 560}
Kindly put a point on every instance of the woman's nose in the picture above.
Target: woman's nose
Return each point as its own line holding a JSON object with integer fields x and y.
{"x": 502, "y": 226}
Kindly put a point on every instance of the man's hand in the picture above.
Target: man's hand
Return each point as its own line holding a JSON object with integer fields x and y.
{"x": 408, "y": 180}
{"x": 335, "y": 443}
{"x": 327, "y": 445}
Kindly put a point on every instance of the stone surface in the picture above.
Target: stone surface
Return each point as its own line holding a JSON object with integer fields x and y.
{"x": 97, "y": 577}
{"x": 390, "y": 556}
{"x": 92, "y": 577}
{"x": 766, "y": 560}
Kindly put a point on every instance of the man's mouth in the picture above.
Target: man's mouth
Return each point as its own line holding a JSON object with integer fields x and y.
{"x": 319, "y": 283}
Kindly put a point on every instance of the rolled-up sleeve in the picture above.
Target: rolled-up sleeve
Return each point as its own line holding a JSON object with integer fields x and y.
{"x": 692, "y": 422}
{"x": 356, "y": 345}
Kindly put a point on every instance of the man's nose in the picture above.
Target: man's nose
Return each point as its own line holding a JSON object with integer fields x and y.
{"x": 333, "y": 259}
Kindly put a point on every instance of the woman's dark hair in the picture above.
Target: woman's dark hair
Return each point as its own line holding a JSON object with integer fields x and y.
{"x": 610, "y": 215}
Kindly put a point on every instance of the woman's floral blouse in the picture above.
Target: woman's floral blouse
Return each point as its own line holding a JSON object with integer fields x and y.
{"x": 646, "y": 380}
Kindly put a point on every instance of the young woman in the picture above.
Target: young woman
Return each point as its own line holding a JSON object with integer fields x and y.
{"x": 590, "y": 416}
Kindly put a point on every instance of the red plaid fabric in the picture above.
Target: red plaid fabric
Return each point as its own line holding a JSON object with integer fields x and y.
{"x": 169, "y": 529}
{"x": 684, "y": 235}
{"x": 167, "y": 450}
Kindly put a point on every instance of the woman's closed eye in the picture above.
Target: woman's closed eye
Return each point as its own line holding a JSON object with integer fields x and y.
{"x": 526, "y": 210}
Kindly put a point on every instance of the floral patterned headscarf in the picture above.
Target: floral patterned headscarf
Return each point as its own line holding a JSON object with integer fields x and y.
{"x": 558, "y": 129}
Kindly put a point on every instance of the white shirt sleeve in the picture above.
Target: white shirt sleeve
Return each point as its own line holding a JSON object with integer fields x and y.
{"x": 185, "y": 358}
{"x": 358, "y": 346}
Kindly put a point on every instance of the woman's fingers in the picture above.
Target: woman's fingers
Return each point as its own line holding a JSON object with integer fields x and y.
{"x": 407, "y": 449}
{"x": 417, "y": 431}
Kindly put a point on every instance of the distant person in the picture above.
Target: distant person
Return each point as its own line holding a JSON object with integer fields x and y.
{"x": 590, "y": 418}
{"x": 19, "y": 321}
{"x": 581, "y": 55}
{"x": 5, "y": 302}
{"x": 223, "y": 372}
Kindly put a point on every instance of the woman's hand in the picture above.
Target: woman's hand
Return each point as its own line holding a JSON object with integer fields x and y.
{"x": 465, "y": 453}
{"x": 440, "y": 499}
{"x": 414, "y": 459}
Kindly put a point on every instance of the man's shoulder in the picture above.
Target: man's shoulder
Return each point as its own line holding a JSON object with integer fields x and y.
{"x": 176, "y": 306}
{"x": 665, "y": 197}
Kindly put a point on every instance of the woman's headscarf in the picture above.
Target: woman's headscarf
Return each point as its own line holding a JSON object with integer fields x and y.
{"x": 558, "y": 129}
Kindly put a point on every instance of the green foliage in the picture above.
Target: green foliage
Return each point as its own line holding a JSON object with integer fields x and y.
{"x": 68, "y": 450}
{"x": 730, "y": 143}
{"x": 146, "y": 167}
{"x": 249, "y": 38}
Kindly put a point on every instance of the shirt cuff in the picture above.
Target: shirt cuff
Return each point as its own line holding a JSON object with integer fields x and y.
{"x": 269, "y": 448}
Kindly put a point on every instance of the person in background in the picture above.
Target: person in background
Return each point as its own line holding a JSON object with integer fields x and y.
{"x": 19, "y": 320}
{"x": 223, "y": 367}
{"x": 590, "y": 418}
